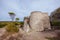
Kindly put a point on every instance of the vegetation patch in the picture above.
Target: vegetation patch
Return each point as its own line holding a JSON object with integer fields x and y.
{"x": 56, "y": 23}
{"x": 11, "y": 27}
{"x": 2, "y": 25}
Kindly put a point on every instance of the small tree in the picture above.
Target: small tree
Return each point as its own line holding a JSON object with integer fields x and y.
{"x": 17, "y": 19}
{"x": 12, "y": 15}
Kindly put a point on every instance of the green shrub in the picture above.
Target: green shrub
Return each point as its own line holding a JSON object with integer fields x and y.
{"x": 2, "y": 25}
{"x": 11, "y": 27}
{"x": 17, "y": 23}
{"x": 55, "y": 23}
{"x": 21, "y": 23}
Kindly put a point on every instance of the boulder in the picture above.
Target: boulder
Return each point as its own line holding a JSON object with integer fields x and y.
{"x": 39, "y": 21}
{"x": 26, "y": 27}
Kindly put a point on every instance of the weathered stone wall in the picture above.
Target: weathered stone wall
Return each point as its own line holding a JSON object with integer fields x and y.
{"x": 39, "y": 21}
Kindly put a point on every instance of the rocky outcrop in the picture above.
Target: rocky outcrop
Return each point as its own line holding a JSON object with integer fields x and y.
{"x": 26, "y": 24}
{"x": 55, "y": 15}
{"x": 4, "y": 35}
{"x": 39, "y": 21}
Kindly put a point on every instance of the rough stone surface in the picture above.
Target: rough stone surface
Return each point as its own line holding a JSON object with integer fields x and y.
{"x": 39, "y": 35}
{"x": 2, "y": 31}
{"x": 4, "y": 35}
{"x": 39, "y": 21}
{"x": 26, "y": 24}
{"x": 46, "y": 21}
{"x": 27, "y": 36}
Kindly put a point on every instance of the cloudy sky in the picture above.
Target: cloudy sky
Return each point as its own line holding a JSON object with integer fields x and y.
{"x": 24, "y": 7}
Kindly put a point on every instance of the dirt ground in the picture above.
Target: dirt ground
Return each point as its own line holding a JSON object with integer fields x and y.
{"x": 39, "y": 35}
{"x": 34, "y": 35}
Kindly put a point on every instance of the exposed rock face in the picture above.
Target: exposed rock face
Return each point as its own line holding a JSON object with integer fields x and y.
{"x": 36, "y": 21}
{"x": 8, "y": 36}
{"x": 46, "y": 21}
{"x": 26, "y": 24}
{"x": 21, "y": 35}
{"x": 4, "y": 35}
{"x": 39, "y": 21}
{"x": 2, "y": 31}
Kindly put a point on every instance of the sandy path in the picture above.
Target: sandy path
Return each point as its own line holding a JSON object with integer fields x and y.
{"x": 39, "y": 35}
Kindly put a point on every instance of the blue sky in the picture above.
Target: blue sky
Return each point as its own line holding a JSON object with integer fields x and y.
{"x": 23, "y": 8}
